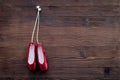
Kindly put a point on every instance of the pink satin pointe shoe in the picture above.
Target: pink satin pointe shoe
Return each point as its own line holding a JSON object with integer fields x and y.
{"x": 31, "y": 56}
{"x": 42, "y": 59}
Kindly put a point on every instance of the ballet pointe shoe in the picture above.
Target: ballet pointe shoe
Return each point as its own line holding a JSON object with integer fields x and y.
{"x": 31, "y": 56}
{"x": 42, "y": 59}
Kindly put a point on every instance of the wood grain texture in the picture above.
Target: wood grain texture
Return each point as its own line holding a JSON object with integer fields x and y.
{"x": 81, "y": 38}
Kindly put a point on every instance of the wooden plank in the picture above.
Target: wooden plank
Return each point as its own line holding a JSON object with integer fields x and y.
{"x": 83, "y": 21}
{"x": 81, "y": 11}
{"x": 72, "y": 11}
{"x": 58, "y": 36}
{"x": 83, "y": 57}
{"x": 21, "y": 70}
{"x": 63, "y": 11}
{"x": 60, "y": 78}
{"x": 58, "y": 68}
{"x": 27, "y": 3}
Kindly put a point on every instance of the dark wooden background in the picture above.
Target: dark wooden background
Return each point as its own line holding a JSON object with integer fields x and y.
{"x": 81, "y": 38}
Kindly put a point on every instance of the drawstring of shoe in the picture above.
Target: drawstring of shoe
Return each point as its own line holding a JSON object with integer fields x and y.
{"x": 37, "y": 24}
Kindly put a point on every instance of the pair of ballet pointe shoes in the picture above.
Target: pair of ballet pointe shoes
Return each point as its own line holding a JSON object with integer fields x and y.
{"x": 36, "y": 55}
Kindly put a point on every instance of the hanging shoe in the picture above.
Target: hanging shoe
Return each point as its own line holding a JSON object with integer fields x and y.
{"x": 41, "y": 56}
{"x": 31, "y": 56}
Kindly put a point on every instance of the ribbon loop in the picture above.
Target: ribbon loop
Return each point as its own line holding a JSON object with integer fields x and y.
{"x": 36, "y": 25}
